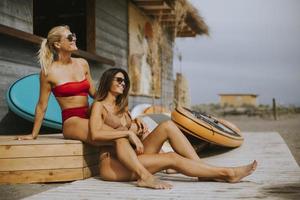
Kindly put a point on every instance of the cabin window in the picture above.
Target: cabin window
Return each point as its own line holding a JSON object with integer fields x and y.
{"x": 79, "y": 15}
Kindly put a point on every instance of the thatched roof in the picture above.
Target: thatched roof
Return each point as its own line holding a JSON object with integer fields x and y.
{"x": 178, "y": 15}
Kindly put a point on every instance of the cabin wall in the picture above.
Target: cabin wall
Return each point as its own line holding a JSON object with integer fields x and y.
{"x": 18, "y": 57}
{"x": 17, "y": 14}
{"x": 112, "y": 30}
{"x": 112, "y": 42}
{"x": 167, "y": 82}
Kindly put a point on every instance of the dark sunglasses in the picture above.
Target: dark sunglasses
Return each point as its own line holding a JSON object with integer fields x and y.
{"x": 71, "y": 37}
{"x": 120, "y": 80}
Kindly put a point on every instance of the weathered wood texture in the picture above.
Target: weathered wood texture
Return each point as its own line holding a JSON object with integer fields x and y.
{"x": 112, "y": 30}
{"x": 17, "y": 14}
{"x": 277, "y": 177}
{"x": 18, "y": 58}
{"x": 167, "y": 80}
{"x": 50, "y": 158}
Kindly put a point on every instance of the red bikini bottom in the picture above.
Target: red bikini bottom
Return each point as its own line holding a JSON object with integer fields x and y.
{"x": 81, "y": 112}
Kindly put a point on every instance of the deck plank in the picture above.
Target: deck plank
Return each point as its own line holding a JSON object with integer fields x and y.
{"x": 277, "y": 177}
{"x": 49, "y": 158}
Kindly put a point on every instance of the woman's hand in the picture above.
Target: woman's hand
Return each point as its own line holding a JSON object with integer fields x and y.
{"x": 142, "y": 128}
{"x": 25, "y": 137}
{"x": 137, "y": 142}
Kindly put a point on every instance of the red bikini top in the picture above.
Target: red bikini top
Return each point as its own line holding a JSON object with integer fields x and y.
{"x": 80, "y": 88}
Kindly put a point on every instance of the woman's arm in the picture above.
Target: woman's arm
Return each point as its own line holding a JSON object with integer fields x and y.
{"x": 41, "y": 107}
{"x": 102, "y": 132}
{"x": 92, "y": 90}
{"x": 98, "y": 130}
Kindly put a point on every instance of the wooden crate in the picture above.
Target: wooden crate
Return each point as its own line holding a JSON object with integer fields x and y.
{"x": 50, "y": 158}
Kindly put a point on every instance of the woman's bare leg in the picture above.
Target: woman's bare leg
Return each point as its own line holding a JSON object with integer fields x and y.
{"x": 169, "y": 131}
{"x": 128, "y": 157}
{"x": 112, "y": 170}
{"x": 78, "y": 129}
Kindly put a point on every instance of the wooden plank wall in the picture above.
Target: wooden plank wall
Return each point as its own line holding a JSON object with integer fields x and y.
{"x": 17, "y": 14}
{"x": 18, "y": 58}
{"x": 167, "y": 82}
{"x": 112, "y": 42}
{"x": 112, "y": 30}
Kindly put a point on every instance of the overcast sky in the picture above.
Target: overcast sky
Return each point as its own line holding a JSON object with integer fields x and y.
{"x": 254, "y": 47}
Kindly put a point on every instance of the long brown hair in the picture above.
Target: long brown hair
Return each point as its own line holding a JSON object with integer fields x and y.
{"x": 105, "y": 85}
{"x": 47, "y": 53}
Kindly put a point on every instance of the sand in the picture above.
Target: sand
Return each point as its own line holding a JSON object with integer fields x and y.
{"x": 288, "y": 126}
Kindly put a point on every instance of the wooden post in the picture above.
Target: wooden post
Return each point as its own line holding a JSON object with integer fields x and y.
{"x": 274, "y": 109}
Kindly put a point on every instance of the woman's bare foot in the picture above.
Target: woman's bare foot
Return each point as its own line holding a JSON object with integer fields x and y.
{"x": 238, "y": 173}
{"x": 153, "y": 183}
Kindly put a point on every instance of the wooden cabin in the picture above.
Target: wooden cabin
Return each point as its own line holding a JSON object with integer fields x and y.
{"x": 238, "y": 100}
{"x": 136, "y": 35}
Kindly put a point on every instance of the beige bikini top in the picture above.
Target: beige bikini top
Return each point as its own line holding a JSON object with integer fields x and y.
{"x": 119, "y": 122}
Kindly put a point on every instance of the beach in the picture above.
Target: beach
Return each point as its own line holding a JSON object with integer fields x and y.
{"x": 288, "y": 126}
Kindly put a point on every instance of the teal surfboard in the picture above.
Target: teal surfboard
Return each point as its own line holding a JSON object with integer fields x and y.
{"x": 22, "y": 97}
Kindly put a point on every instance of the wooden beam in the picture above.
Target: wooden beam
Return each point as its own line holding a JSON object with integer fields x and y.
{"x": 31, "y": 38}
{"x": 94, "y": 57}
{"x": 166, "y": 17}
{"x": 172, "y": 23}
{"x": 155, "y": 12}
{"x": 168, "y": 24}
{"x": 149, "y": 5}
{"x": 166, "y": 20}
{"x": 5, "y": 30}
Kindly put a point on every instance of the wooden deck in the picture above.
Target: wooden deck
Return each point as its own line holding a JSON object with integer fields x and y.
{"x": 277, "y": 177}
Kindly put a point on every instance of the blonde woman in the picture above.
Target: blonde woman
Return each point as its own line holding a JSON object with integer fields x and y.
{"x": 70, "y": 81}
{"x": 110, "y": 109}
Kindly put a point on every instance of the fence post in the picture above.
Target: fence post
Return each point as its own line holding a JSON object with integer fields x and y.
{"x": 274, "y": 109}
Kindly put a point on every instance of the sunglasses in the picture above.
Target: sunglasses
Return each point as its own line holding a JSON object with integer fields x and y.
{"x": 71, "y": 37}
{"x": 120, "y": 80}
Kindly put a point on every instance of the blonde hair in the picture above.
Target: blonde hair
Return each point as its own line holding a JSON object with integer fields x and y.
{"x": 47, "y": 52}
